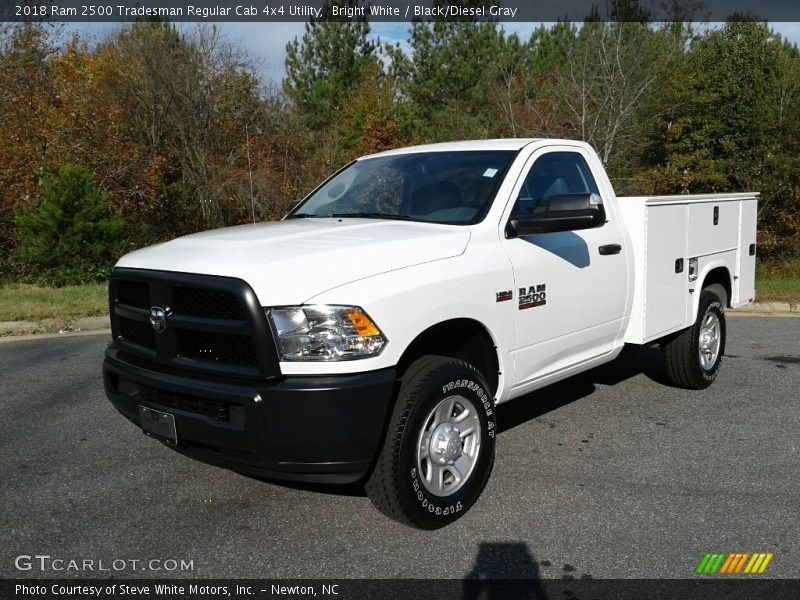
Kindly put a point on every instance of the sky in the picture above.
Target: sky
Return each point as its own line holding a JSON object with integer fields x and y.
{"x": 266, "y": 42}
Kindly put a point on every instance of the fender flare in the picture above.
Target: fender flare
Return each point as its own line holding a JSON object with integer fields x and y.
{"x": 701, "y": 281}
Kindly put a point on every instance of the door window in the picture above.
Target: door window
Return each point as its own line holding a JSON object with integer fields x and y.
{"x": 554, "y": 174}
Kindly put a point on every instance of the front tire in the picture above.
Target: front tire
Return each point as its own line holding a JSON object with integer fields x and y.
{"x": 439, "y": 447}
{"x": 694, "y": 356}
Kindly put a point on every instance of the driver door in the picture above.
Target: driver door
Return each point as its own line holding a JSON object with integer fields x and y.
{"x": 570, "y": 297}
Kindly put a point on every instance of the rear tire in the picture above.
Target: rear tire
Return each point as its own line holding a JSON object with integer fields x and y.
{"x": 694, "y": 355}
{"x": 439, "y": 447}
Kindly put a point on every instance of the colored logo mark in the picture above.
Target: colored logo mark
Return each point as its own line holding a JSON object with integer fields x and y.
{"x": 734, "y": 563}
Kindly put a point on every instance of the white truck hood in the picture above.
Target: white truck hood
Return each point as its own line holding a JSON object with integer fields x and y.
{"x": 289, "y": 262}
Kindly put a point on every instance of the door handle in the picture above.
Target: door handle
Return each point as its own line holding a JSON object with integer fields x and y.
{"x": 610, "y": 249}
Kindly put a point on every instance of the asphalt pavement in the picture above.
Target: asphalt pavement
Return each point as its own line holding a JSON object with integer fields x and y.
{"x": 611, "y": 474}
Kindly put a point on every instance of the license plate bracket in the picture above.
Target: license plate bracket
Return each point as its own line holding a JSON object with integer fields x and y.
{"x": 158, "y": 424}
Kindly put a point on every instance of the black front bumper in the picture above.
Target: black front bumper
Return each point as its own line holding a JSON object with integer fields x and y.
{"x": 299, "y": 428}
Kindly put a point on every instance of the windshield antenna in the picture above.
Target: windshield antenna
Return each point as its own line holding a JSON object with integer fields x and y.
{"x": 250, "y": 172}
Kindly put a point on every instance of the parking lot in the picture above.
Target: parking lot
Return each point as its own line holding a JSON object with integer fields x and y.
{"x": 611, "y": 474}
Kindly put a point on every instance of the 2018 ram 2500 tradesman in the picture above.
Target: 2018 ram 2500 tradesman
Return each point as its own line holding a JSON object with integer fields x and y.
{"x": 370, "y": 333}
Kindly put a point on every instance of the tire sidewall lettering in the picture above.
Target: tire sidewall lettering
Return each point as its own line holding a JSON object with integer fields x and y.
{"x": 716, "y": 307}
{"x": 447, "y": 506}
{"x": 474, "y": 387}
{"x": 429, "y": 505}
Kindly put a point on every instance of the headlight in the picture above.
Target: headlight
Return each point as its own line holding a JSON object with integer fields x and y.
{"x": 324, "y": 332}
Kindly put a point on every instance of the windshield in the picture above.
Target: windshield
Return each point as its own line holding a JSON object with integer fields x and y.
{"x": 438, "y": 187}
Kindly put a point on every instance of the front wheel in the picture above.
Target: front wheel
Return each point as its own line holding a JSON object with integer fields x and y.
{"x": 694, "y": 356}
{"x": 439, "y": 447}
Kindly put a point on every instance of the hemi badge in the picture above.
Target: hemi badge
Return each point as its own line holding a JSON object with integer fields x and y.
{"x": 505, "y": 296}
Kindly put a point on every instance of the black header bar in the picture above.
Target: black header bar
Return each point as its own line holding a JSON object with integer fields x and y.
{"x": 511, "y": 11}
{"x": 411, "y": 589}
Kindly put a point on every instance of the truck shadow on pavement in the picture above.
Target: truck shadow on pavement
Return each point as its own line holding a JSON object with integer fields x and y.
{"x": 632, "y": 362}
{"x": 503, "y": 570}
{"x": 510, "y": 570}
{"x": 648, "y": 361}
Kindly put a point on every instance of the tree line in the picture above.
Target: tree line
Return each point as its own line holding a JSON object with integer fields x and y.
{"x": 153, "y": 132}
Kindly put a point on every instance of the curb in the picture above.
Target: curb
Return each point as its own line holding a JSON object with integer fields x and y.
{"x": 57, "y": 326}
{"x": 769, "y": 308}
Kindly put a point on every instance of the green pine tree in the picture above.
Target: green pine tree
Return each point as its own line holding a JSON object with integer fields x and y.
{"x": 70, "y": 237}
{"x": 323, "y": 68}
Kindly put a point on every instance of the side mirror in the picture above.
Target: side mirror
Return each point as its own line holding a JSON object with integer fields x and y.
{"x": 569, "y": 212}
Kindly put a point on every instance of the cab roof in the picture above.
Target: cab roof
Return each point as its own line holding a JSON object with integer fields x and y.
{"x": 500, "y": 144}
{"x": 513, "y": 144}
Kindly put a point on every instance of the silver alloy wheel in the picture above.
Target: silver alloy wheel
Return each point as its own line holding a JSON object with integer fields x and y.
{"x": 449, "y": 445}
{"x": 709, "y": 341}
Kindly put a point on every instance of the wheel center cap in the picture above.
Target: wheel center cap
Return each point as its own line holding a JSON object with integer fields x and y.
{"x": 445, "y": 444}
{"x": 707, "y": 339}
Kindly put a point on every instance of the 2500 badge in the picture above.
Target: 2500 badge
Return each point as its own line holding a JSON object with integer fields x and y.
{"x": 535, "y": 295}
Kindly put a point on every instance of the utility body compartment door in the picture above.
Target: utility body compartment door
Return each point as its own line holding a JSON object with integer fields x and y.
{"x": 744, "y": 290}
{"x": 713, "y": 227}
{"x": 666, "y": 273}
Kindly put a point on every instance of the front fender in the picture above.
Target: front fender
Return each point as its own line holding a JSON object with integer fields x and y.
{"x": 406, "y": 302}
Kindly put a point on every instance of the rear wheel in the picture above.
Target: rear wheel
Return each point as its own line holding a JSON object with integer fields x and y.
{"x": 439, "y": 447}
{"x": 694, "y": 356}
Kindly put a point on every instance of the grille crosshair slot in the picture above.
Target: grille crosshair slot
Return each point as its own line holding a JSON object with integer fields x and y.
{"x": 209, "y": 304}
{"x": 133, "y": 293}
{"x": 217, "y": 347}
{"x": 137, "y": 332}
{"x": 207, "y": 407}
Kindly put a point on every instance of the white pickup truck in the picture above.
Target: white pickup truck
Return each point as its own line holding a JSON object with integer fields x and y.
{"x": 369, "y": 335}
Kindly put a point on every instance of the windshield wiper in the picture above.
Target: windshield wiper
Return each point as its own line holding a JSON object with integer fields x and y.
{"x": 371, "y": 215}
{"x": 302, "y": 215}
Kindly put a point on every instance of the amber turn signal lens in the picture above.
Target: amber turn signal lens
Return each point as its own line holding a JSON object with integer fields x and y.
{"x": 361, "y": 322}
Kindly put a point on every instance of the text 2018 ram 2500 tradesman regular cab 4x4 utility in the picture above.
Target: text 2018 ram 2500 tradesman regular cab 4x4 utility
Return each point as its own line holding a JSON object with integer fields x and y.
{"x": 370, "y": 333}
